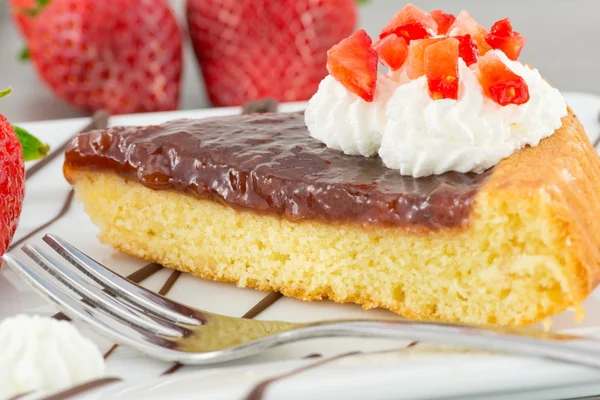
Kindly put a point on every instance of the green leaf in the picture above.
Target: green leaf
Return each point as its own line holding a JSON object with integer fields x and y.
{"x": 5, "y": 92}
{"x": 24, "y": 54}
{"x": 33, "y": 148}
{"x": 362, "y": 2}
{"x": 30, "y": 12}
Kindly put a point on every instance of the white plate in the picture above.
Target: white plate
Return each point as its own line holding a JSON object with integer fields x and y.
{"x": 414, "y": 373}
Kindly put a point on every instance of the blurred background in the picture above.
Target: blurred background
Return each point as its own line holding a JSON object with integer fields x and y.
{"x": 561, "y": 36}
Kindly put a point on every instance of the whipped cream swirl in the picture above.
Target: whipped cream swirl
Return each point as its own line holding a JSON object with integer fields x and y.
{"x": 421, "y": 136}
{"x": 344, "y": 121}
{"x": 45, "y": 355}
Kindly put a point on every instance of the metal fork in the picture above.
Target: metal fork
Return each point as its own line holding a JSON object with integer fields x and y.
{"x": 164, "y": 329}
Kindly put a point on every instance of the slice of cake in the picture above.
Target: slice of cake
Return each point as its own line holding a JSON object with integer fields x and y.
{"x": 458, "y": 187}
{"x": 256, "y": 201}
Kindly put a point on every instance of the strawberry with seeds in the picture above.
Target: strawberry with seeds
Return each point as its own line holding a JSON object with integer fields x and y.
{"x": 441, "y": 69}
{"x": 121, "y": 55}
{"x": 503, "y": 37}
{"x": 15, "y": 148}
{"x": 411, "y": 23}
{"x": 24, "y": 12}
{"x": 251, "y": 49}
{"x": 499, "y": 83}
{"x": 353, "y": 63}
{"x": 392, "y": 51}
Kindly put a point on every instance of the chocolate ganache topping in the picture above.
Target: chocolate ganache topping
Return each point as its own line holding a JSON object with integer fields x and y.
{"x": 268, "y": 163}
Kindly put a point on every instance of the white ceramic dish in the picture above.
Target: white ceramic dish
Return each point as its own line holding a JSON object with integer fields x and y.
{"x": 413, "y": 373}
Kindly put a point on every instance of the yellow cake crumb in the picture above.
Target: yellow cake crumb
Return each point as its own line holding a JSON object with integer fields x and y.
{"x": 547, "y": 324}
{"x": 579, "y": 313}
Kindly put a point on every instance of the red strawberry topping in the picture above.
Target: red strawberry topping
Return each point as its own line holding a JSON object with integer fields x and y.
{"x": 124, "y": 56}
{"x": 503, "y": 37}
{"x": 466, "y": 25}
{"x": 467, "y": 49}
{"x": 411, "y": 23}
{"x": 415, "y": 63}
{"x": 502, "y": 27}
{"x": 499, "y": 82}
{"x": 353, "y": 63}
{"x": 443, "y": 20}
{"x": 392, "y": 51}
{"x": 441, "y": 69}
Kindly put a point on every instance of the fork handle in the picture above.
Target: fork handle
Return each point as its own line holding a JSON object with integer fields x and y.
{"x": 521, "y": 342}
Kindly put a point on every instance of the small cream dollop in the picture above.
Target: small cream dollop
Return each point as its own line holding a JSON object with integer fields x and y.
{"x": 41, "y": 354}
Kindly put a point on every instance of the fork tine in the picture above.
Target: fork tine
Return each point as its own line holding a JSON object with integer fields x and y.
{"x": 95, "y": 296}
{"x": 136, "y": 295}
{"x": 146, "y": 343}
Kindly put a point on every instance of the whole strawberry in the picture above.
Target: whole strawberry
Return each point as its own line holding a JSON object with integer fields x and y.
{"x": 124, "y": 56}
{"x": 249, "y": 49}
{"x": 12, "y": 175}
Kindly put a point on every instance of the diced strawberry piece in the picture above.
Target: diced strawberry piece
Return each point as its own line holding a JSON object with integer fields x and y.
{"x": 502, "y": 27}
{"x": 510, "y": 45}
{"x": 392, "y": 51}
{"x": 353, "y": 63}
{"x": 412, "y": 31}
{"x": 466, "y": 25}
{"x": 443, "y": 20}
{"x": 441, "y": 69}
{"x": 467, "y": 49}
{"x": 411, "y": 23}
{"x": 415, "y": 63}
{"x": 503, "y": 37}
{"x": 499, "y": 83}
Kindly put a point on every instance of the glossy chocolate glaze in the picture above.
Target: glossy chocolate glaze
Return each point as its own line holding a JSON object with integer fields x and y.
{"x": 269, "y": 163}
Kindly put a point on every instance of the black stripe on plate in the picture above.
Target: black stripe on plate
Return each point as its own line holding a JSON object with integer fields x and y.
{"x": 98, "y": 121}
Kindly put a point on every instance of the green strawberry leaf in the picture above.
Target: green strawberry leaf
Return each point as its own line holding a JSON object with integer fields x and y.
{"x": 33, "y": 148}
{"x": 362, "y": 2}
{"x": 24, "y": 54}
{"x": 30, "y": 12}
